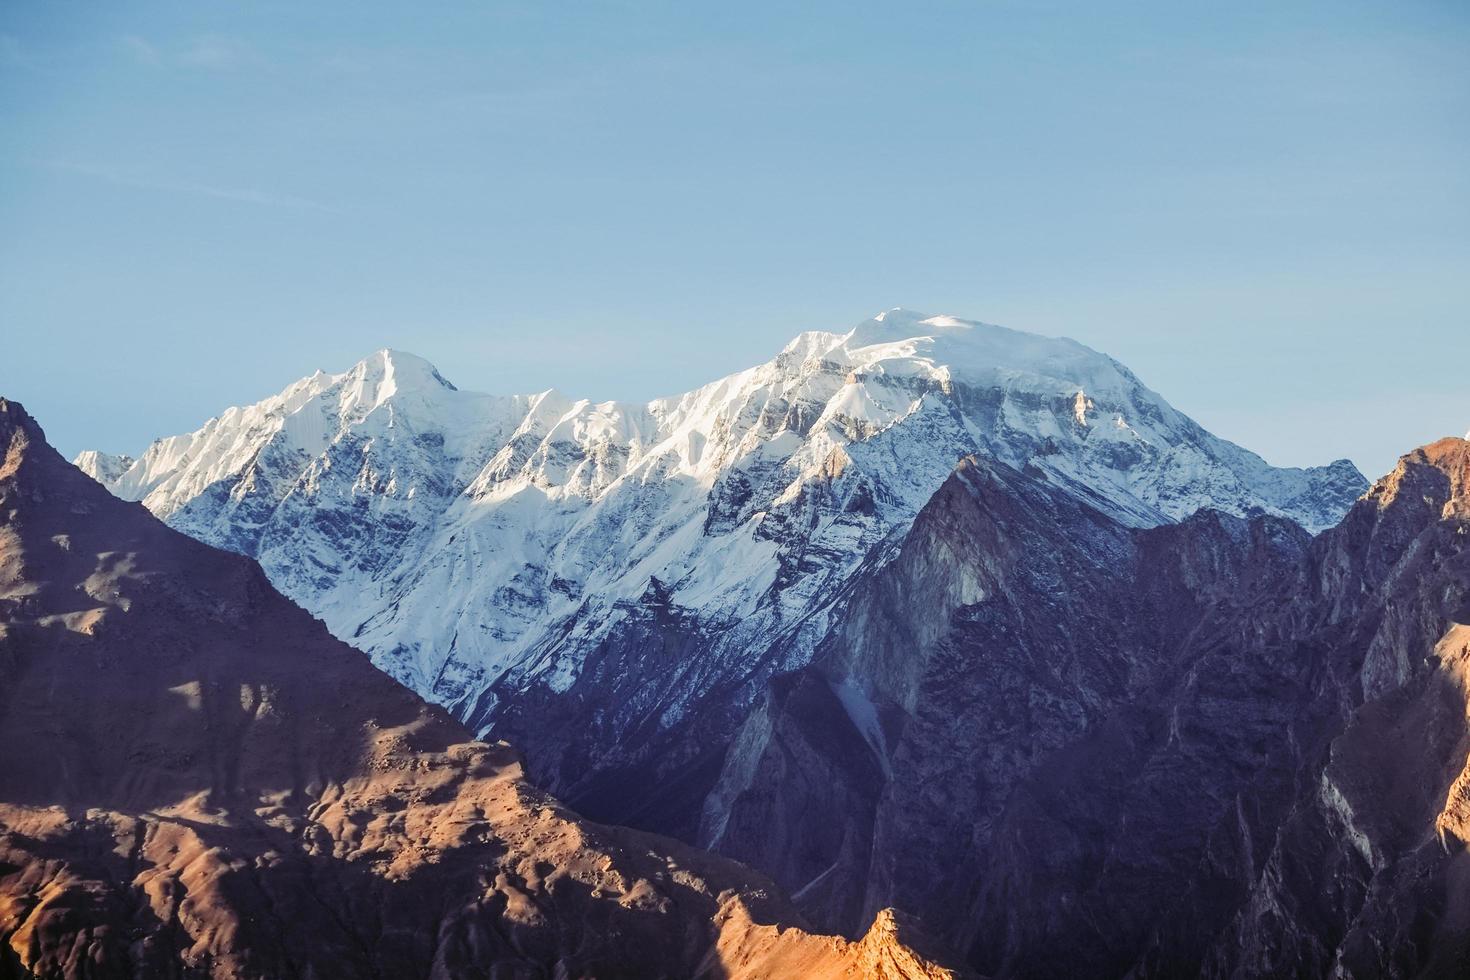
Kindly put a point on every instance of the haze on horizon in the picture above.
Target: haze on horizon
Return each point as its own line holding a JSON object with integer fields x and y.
{"x": 1262, "y": 211}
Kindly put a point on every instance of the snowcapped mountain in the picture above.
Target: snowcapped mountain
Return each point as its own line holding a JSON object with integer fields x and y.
{"x": 105, "y": 468}
{"x": 589, "y": 577}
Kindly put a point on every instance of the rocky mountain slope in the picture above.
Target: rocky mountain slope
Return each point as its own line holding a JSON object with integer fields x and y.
{"x": 1077, "y": 748}
{"x": 610, "y": 585}
{"x": 197, "y": 780}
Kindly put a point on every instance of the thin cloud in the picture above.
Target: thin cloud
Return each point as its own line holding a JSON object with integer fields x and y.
{"x": 242, "y": 195}
{"x": 215, "y": 52}
{"x": 142, "y": 51}
{"x": 345, "y": 63}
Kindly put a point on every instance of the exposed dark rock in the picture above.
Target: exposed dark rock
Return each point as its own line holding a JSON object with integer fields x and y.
{"x": 1074, "y": 748}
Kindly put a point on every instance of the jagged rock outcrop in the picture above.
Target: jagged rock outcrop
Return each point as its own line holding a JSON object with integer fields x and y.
{"x": 197, "y": 780}
{"x": 1368, "y": 874}
{"x": 610, "y": 585}
{"x": 1076, "y": 748}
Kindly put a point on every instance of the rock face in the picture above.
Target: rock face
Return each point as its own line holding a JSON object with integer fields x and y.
{"x": 1076, "y": 748}
{"x": 197, "y": 780}
{"x": 610, "y": 585}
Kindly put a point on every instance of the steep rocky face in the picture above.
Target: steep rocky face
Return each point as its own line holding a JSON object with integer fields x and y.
{"x": 611, "y": 585}
{"x": 197, "y": 780}
{"x": 1368, "y": 873}
{"x": 958, "y": 698}
{"x": 1077, "y": 748}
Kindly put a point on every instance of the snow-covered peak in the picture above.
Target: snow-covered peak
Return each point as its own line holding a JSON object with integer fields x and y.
{"x": 387, "y": 372}
{"x": 462, "y": 537}
{"x": 979, "y": 353}
{"x": 901, "y": 324}
{"x": 105, "y": 468}
{"x": 387, "y": 393}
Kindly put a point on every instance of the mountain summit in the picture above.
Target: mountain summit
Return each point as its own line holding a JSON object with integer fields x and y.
{"x": 610, "y": 584}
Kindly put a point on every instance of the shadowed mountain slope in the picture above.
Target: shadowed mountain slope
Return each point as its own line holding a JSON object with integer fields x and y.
{"x": 1075, "y": 748}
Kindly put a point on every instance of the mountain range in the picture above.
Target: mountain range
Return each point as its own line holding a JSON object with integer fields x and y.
{"x": 610, "y": 586}
{"x": 198, "y": 781}
{"x": 963, "y": 636}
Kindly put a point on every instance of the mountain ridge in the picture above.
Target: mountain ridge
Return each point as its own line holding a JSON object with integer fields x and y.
{"x": 620, "y": 571}
{"x": 1217, "y": 748}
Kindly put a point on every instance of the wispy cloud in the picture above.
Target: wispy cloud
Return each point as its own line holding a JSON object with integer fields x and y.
{"x": 345, "y": 63}
{"x": 142, "y": 51}
{"x": 215, "y": 52}
{"x": 242, "y": 195}
{"x": 208, "y": 52}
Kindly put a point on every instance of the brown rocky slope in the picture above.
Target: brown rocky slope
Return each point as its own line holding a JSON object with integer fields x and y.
{"x": 196, "y": 780}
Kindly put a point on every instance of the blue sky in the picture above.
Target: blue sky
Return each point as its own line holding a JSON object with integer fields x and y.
{"x": 1262, "y": 208}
